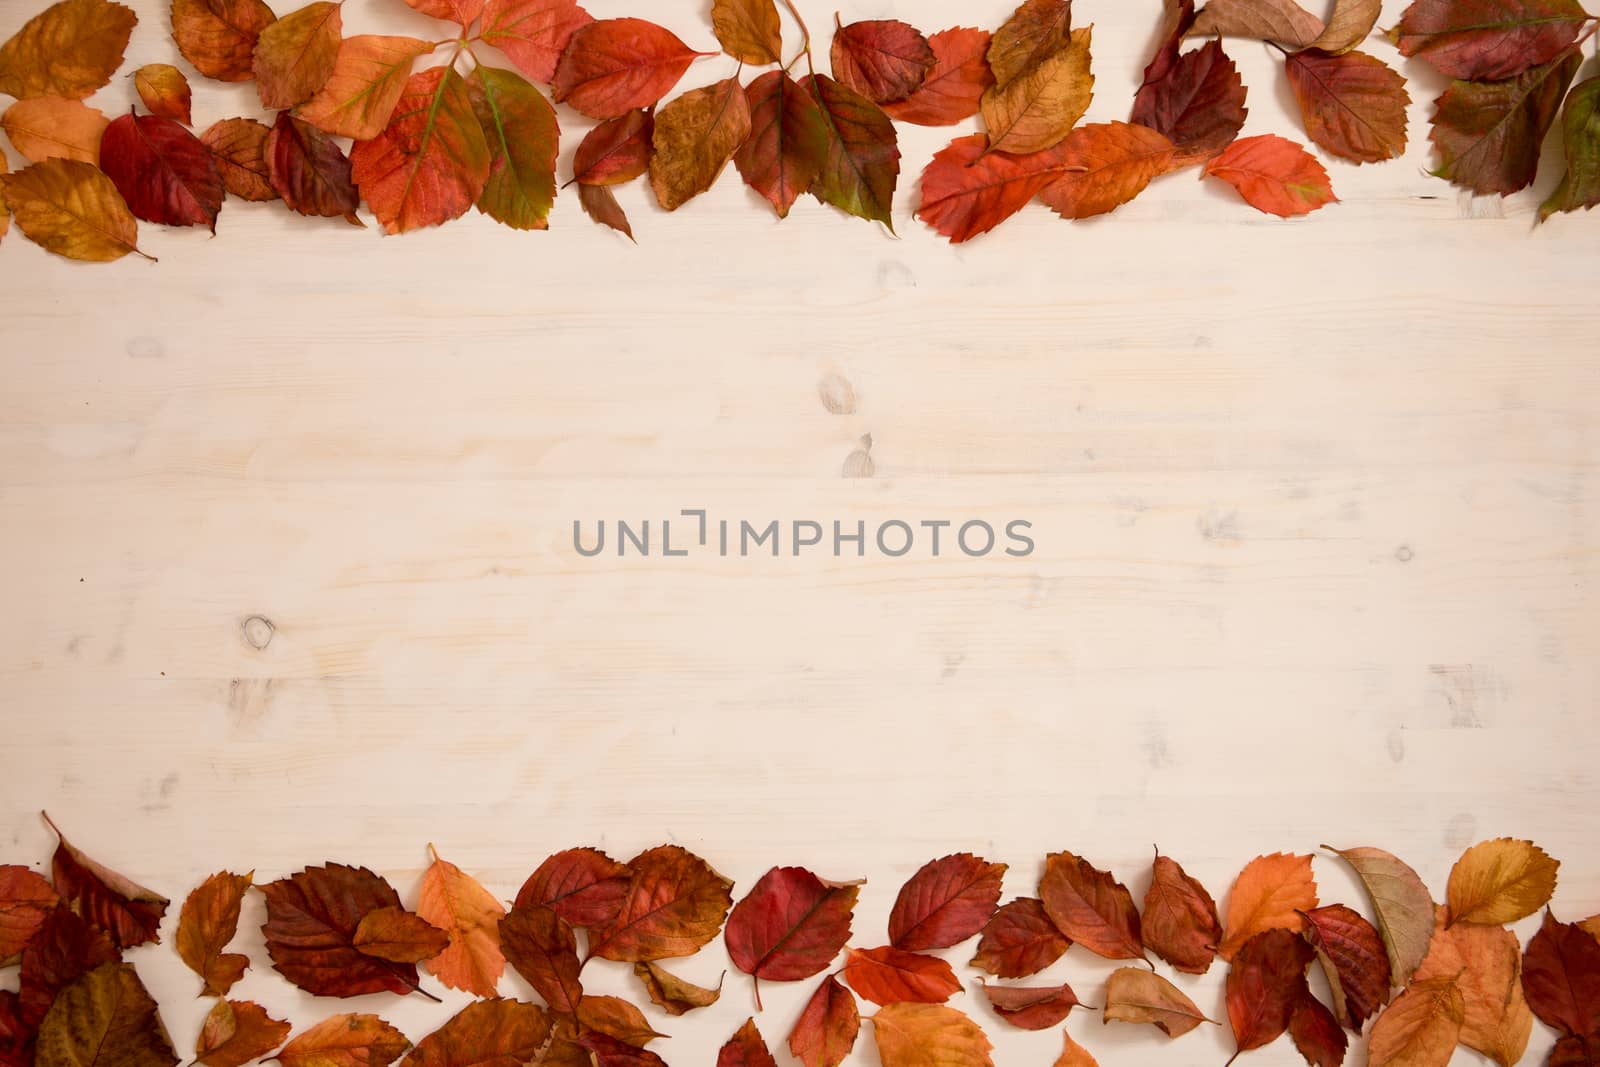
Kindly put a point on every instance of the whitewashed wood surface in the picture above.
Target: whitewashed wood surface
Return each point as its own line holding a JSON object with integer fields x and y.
{"x": 1315, "y": 504}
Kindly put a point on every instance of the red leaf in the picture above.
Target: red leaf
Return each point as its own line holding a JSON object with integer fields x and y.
{"x": 614, "y": 152}
{"x": 167, "y": 175}
{"x": 309, "y": 170}
{"x": 746, "y": 1048}
{"x": 1561, "y": 977}
{"x": 312, "y": 918}
{"x": 612, "y": 66}
{"x": 882, "y": 59}
{"x": 62, "y": 950}
{"x": 431, "y": 162}
{"x": 954, "y": 85}
{"x": 1105, "y": 165}
{"x": 968, "y": 190}
{"x": 1091, "y": 907}
{"x": 1274, "y": 175}
{"x": 1316, "y": 1033}
{"x": 1486, "y": 40}
{"x": 541, "y": 946}
{"x": 16, "y": 1037}
{"x": 582, "y": 885}
{"x": 675, "y": 903}
{"x": 946, "y": 902}
{"x": 890, "y": 975}
{"x": 1032, "y": 1008}
{"x": 1576, "y": 1052}
{"x": 609, "y": 1052}
{"x": 1196, "y": 99}
{"x": 788, "y": 140}
{"x": 1353, "y": 104}
{"x": 1019, "y": 940}
{"x": 128, "y": 912}
{"x": 826, "y": 1030}
{"x": 533, "y": 34}
{"x": 1180, "y": 921}
{"x": 1354, "y": 959}
{"x": 1265, "y": 984}
{"x": 25, "y": 899}
{"x": 461, "y": 12}
{"x": 791, "y": 925}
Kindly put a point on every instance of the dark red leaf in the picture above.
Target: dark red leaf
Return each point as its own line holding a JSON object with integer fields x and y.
{"x": 1354, "y": 959}
{"x": 582, "y": 885}
{"x": 791, "y": 925}
{"x": 946, "y": 902}
{"x": 1196, "y": 99}
{"x": 167, "y": 175}
{"x": 1266, "y": 982}
{"x": 541, "y": 946}
{"x": 1317, "y": 1034}
{"x": 309, "y": 170}
{"x": 788, "y": 140}
{"x": 63, "y": 949}
{"x": 312, "y": 918}
{"x": 746, "y": 1048}
{"x": 882, "y": 59}
{"x": 1561, "y": 977}
{"x": 128, "y": 912}
{"x": 1019, "y": 940}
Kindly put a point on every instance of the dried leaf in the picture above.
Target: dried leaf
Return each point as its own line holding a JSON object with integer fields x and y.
{"x": 615, "y": 152}
{"x": 431, "y": 163}
{"x": 1074, "y": 1054}
{"x": 209, "y": 919}
{"x": 582, "y": 885}
{"x": 890, "y": 975}
{"x": 748, "y": 30}
{"x": 104, "y": 1019}
{"x": 1091, "y": 907}
{"x": 309, "y": 170}
{"x": 1421, "y": 1027}
{"x": 451, "y": 899}
{"x": 1353, "y": 104}
{"x": 1403, "y": 905}
{"x": 600, "y": 204}
{"x": 1580, "y": 185}
{"x": 166, "y": 175}
{"x": 1019, "y": 940}
{"x": 64, "y": 948}
{"x": 218, "y": 37}
{"x": 26, "y": 899}
{"x": 1353, "y": 959}
{"x": 791, "y": 925}
{"x": 165, "y": 91}
{"x": 827, "y": 1029}
{"x": 607, "y": 1051}
{"x": 615, "y": 65}
{"x": 861, "y": 161}
{"x": 1196, "y": 100}
{"x": 1501, "y": 881}
{"x": 954, "y": 86}
{"x": 1317, "y": 1035}
{"x": 69, "y": 49}
{"x": 1138, "y": 996}
{"x": 1037, "y": 109}
{"x": 1486, "y": 963}
{"x": 1105, "y": 166}
{"x": 929, "y": 1035}
{"x": 1035, "y": 31}
{"x": 126, "y": 911}
{"x": 695, "y": 137}
{"x": 312, "y": 919}
{"x": 52, "y": 127}
{"x": 1282, "y": 21}
{"x": 881, "y": 59}
{"x": 1489, "y": 134}
{"x": 672, "y": 994}
{"x": 533, "y": 34}
{"x": 523, "y": 136}
{"x": 359, "y": 95}
{"x": 1350, "y": 24}
{"x": 968, "y": 191}
{"x": 345, "y": 1041}
{"x": 541, "y": 946}
{"x": 1281, "y": 178}
{"x": 1272, "y": 891}
{"x": 1576, "y": 1052}
{"x": 68, "y": 207}
{"x": 1032, "y": 1007}
{"x": 947, "y": 901}
{"x": 295, "y": 56}
{"x": 240, "y": 148}
{"x": 236, "y": 1032}
{"x": 486, "y": 1033}
{"x": 788, "y": 140}
{"x": 617, "y": 1018}
{"x": 1265, "y": 984}
{"x": 746, "y": 1048}
{"x": 1561, "y": 976}
{"x": 398, "y": 936}
{"x": 1487, "y": 40}
{"x": 1180, "y": 921}
{"x": 674, "y": 905}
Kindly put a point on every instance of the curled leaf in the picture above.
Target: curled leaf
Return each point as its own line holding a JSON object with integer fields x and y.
{"x": 1032, "y": 1007}
{"x": 128, "y": 912}
{"x": 1134, "y": 995}
{"x": 672, "y": 994}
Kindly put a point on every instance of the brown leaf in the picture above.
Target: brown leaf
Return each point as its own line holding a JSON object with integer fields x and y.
{"x": 1091, "y": 907}
{"x": 52, "y": 127}
{"x": 607, "y": 1051}
{"x": 218, "y": 37}
{"x": 1105, "y": 165}
{"x": 889, "y": 975}
{"x": 616, "y": 1018}
{"x": 674, "y": 905}
{"x": 748, "y": 30}
{"x": 746, "y": 1048}
{"x": 1180, "y": 921}
{"x": 165, "y": 91}
{"x": 312, "y": 919}
{"x": 64, "y": 948}
{"x": 1269, "y": 894}
{"x": 922, "y": 1035}
{"x": 1035, "y": 110}
{"x": 126, "y": 911}
{"x": 104, "y": 1019}
{"x": 431, "y": 163}
{"x": 1139, "y": 996}
{"x": 240, "y": 148}
{"x": 947, "y": 901}
{"x": 1283, "y": 21}
{"x": 1353, "y": 104}
{"x": 1317, "y": 1034}
{"x": 582, "y": 885}
{"x": 600, "y": 204}
{"x": 1488, "y": 137}
{"x": 398, "y": 936}
{"x": 826, "y": 1030}
{"x": 672, "y": 994}
{"x": 1031, "y": 1007}
{"x": 1421, "y": 1027}
{"x": 695, "y": 137}
{"x": 1348, "y": 26}
{"x": 457, "y": 903}
{"x": 1035, "y": 31}
{"x": 166, "y": 175}
{"x": 309, "y": 170}
{"x": 69, "y": 49}
{"x": 955, "y": 84}
{"x": 1019, "y": 940}
{"x": 26, "y": 899}
{"x": 1265, "y": 984}
{"x": 1353, "y": 959}
{"x": 1561, "y": 976}
{"x": 881, "y": 59}
{"x": 533, "y": 34}
{"x": 1403, "y": 905}
{"x": 207, "y": 922}
{"x": 1074, "y": 1054}
{"x": 541, "y": 946}
{"x": 788, "y": 140}
{"x": 1576, "y": 1052}
{"x": 612, "y": 66}
{"x": 1486, "y": 963}
{"x": 236, "y": 1032}
{"x": 486, "y": 1033}
{"x": 294, "y": 56}
{"x": 358, "y": 97}
{"x": 790, "y": 925}
{"x": 345, "y": 1041}
{"x": 1500, "y": 881}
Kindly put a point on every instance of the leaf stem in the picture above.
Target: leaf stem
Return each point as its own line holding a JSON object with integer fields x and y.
{"x": 805, "y": 36}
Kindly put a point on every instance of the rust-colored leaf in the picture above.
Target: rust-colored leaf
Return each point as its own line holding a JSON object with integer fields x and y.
{"x": 26, "y": 899}
{"x": 166, "y": 175}
{"x": 582, "y": 885}
{"x": 600, "y": 204}
{"x": 541, "y": 946}
{"x": 345, "y": 1041}
{"x": 236, "y": 1032}
{"x": 672, "y": 994}
{"x": 486, "y": 1033}
{"x": 1196, "y": 99}
{"x": 746, "y": 1048}
{"x": 695, "y": 137}
{"x": 1034, "y": 32}
{"x": 748, "y": 30}
{"x": 104, "y": 1019}
{"x": 1353, "y": 959}
{"x": 1272, "y": 891}
{"x": 890, "y": 975}
{"x": 1031, "y": 1007}
{"x": 1139, "y": 996}
{"x": 126, "y": 911}
{"x": 1105, "y": 165}
{"x": 430, "y": 164}
{"x": 612, "y": 66}
{"x": 207, "y": 922}
{"x": 617, "y": 1018}
{"x": 1420, "y": 1028}
{"x": 295, "y": 56}
{"x": 64, "y": 948}
{"x": 607, "y": 1051}
{"x": 947, "y": 901}
{"x": 1281, "y": 178}
{"x": 1353, "y": 104}
{"x": 861, "y": 160}
{"x": 1180, "y": 921}
{"x": 955, "y": 84}
{"x": 240, "y": 148}
{"x": 398, "y": 936}
{"x": 312, "y": 919}
{"x": 164, "y": 91}
{"x": 827, "y": 1029}
{"x": 70, "y": 208}
{"x": 1035, "y": 110}
{"x": 674, "y": 905}
{"x": 533, "y": 34}
{"x": 881, "y": 59}
{"x": 1266, "y": 982}
{"x": 358, "y": 97}
{"x": 968, "y": 191}
{"x": 923, "y": 1035}
{"x": 1403, "y": 905}
{"x": 1488, "y": 137}
{"x": 1091, "y": 907}
{"x": 788, "y": 141}
{"x": 1488, "y": 40}
{"x": 218, "y": 37}
{"x": 309, "y": 170}
{"x": 791, "y": 925}
{"x": 1317, "y": 1034}
{"x": 69, "y": 49}
{"x": 53, "y": 127}
{"x": 1561, "y": 976}
{"x": 1500, "y": 881}
{"x": 1486, "y": 963}
{"x": 1019, "y": 940}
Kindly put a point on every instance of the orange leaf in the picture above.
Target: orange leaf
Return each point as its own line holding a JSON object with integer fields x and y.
{"x": 1074, "y": 1054}
{"x": 1486, "y": 963}
{"x": 542, "y": 948}
{"x": 345, "y": 1041}
{"x": 617, "y": 1018}
{"x": 917, "y": 1035}
{"x": 52, "y": 127}
{"x": 1019, "y": 940}
{"x": 1035, "y": 110}
{"x": 1105, "y": 165}
{"x": 218, "y": 37}
{"x": 461, "y": 12}
{"x": 359, "y": 95}
{"x": 1353, "y": 104}
{"x": 207, "y": 922}
{"x": 890, "y": 975}
{"x": 1269, "y": 894}
{"x": 456, "y": 903}
{"x": 125, "y": 910}
{"x": 69, "y": 49}
{"x": 533, "y": 33}
{"x": 486, "y": 1033}
{"x": 1180, "y": 921}
{"x": 236, "y": 1032}
{"x": 955, "y": 84}
{"x": 968, "y": 191}
{"x": 826, "y": 1030}
{"x": 748, "y": 30}
{"x": 612, "y": 66}
{"x": 674, "y": 905}
{"x": 1276, "y": 176}
{"x": 1091, "y": 907}
{"x": 240, "y": 148}
{"x": 1421, "y": 1027}
{"x": 295, "y": 55}
{"x": 164, "y": 90}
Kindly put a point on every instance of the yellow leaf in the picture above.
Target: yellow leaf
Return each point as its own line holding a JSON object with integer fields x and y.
{"x": 456, "y": 903}
{"x": 295, "y": 55}
{"x": 1039, "y": 107}
{"x": 1269, "y": 894}
{"x": 70, "y": 49}
{"x": 748, "y": 30}
{"x": 1134, "y": 995}
{"x": 1421, "y": 1027}
{"x": 68, "y": 207}
{"x": 929, "y": 1035}
{"x": 1500, "y": 881}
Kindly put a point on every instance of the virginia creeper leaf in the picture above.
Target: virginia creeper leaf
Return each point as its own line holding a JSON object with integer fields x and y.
{"x": 1134, "y": 995}
{"x": 53, "y": 127}
{"x": 955, "y": 84}
{"x": 1031, "y": 1007}
{"x": 925, "y": 1035}
{"x": 827, "y": 1029}
{"x": 164, "y": 91}
{"x": 1489, "y": 136}
{"x": 881, "y": 59}
{"x": 695, "y": 137}
{"x": 890, "y": 975}
{"x": 218, "y": 37}
{"x": 1403, "y": 905}
{"x": 1105, "y": 165}
{"x": 1035, "y": 110}
{"x": 360, "y": 93}
{"x": 312, "y": 919}
{"x": 207, "y": 922}
{"x": 1421, "y": 1027}
{"x": 533, "y": 33}
{"x": 1353, "y": 104}
{"x": 748, "y": 30}
{"x": 1501, "y": 881}
{"x": 1180, "y": 921}
{"x": 523, "y": 136}
{"x": 541, "y": 946}
{"x": 1195, "y": 99}
{"x": 69, "y": 49}
{"x": 236, "y": 1032}
{"x": 674, "y": 904}
{"x": 462, "y": 12}
{"x": 125, "y": 910}
{"x": 1486, "y": 40}
{"x": 967, "y": 191}
{"x": 791, "y": 925}
{"x": 430, "y": 164}
{"x": 105, "y": 1019}
{"x": 294, "y": 57}
{"x": 1091, "y": 907}
{"x": 947, "y": 901}
{"x": 582, "y": 885}
{"x": 166, "y": 175}
{"x": 309, "y": 170}
{"x": 345, "y": 1041}
{"x": 861, "y": 163}
{"x": 1580, "y": 130}
{"x": 615, "y": 65}
{"x": 1019, "y": 940}
{"x": 672, "y": 994}
{"x": 788, "y": 140}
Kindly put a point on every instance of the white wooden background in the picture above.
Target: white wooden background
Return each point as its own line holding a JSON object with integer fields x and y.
{"x": 1315, "y": 503}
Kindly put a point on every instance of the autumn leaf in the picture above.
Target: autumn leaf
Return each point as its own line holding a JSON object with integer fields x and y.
{"x": 359, "y": 95}
{"x": 1272, "y": 891}
{"x": 1403, "y": 905}
{"x": 1037, "y": 109}
{"x": 788, "y": 140}
{"x": 1074, "y": 1054}
{"x": 954, "y": 86}
{"x": 345, "y": 1041}
{"x": 1487, "y": 40}
{"x": 1501, "y": 881}
{"x": 607, "y": 1051}
{"x": 294, "y": 57}
{"x": 1265, "y": 985}
{"x": 312, "y": 919}
{"x": 309, "y": 170}
{"x": 431, "y": 163}
{"x": 68, "y": 207}
{"x": 673, "y": 906}
{"x": 1139, "y": 996}
{"x": 748, "y": 30}
{"x": 533, "y": 34}
{"x": 924, "y": 1035}
{"x": 968, "y": 191}
{"x": 1561, "y": 977}
{"x": 615, "y": 1017}
{"x": 582, "y": 885}
{"x": 1486, "y": 963}
{"x": 64, "y": 948}
{"x": 1091, "y": 907}
{"x": 16, "y": 1039}
{"x": 1489, "y": 134}
{"x": 615, "y": 65}
{"x": 207, "y": 922}
{"x": 26, "y": 899}
{"x": 240, "y": 148}
{"x": 236, "y": 1032}
{"x": 541, "y": 946}
{"x": 164, "y": 91}
{"x": 218, "y": 37}
{"x": 1421, "y": 1027}
{"x": 1353, "y": 104}
{"x": 828, "y": 1026}
{"x": 672, "y": 994}
{"x": 1105, "y": 165}
{"x": 1031, "y": 1007}
{"x": 126, "y": 911}
{"x": 1282, "y": 21}
{"x": 746, "y": 1048}
{"x": 1350, "y": 24}
{"x": 881, "y": 59}
{"x": 947, "y": 901}
{"x": 600, "y": 204}
{"x": 69, "y": 49}
{"x": 1195, "y": 99}
{"x": 1281, "y": 178}
{"x": 454, "y": 901}
{"x": 398, "y": 936}
{"x": 1580, "y": 131}
{"x": 1316, "y": 1034}
{"x": 1034, "y": 32}
{"x": 166, "y": 175}
{"x": 53, "y": 127}
{"x": 1353, "y": 959}
{"x": 791, "y": 925}
{"x": 104, "y": 1019}
{"x": 614, "y": 152}
{"x": 486, "y": 1033}
{"x": 890, "y": 975}
{"x": 1180, "y": 921}
{"x": 523, "y": 136}
{"x": 462, "y": 12}
{"x": 695, "y": 137}
{"x": 861, "y": 158}
{"x": 1019, "y": 940}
